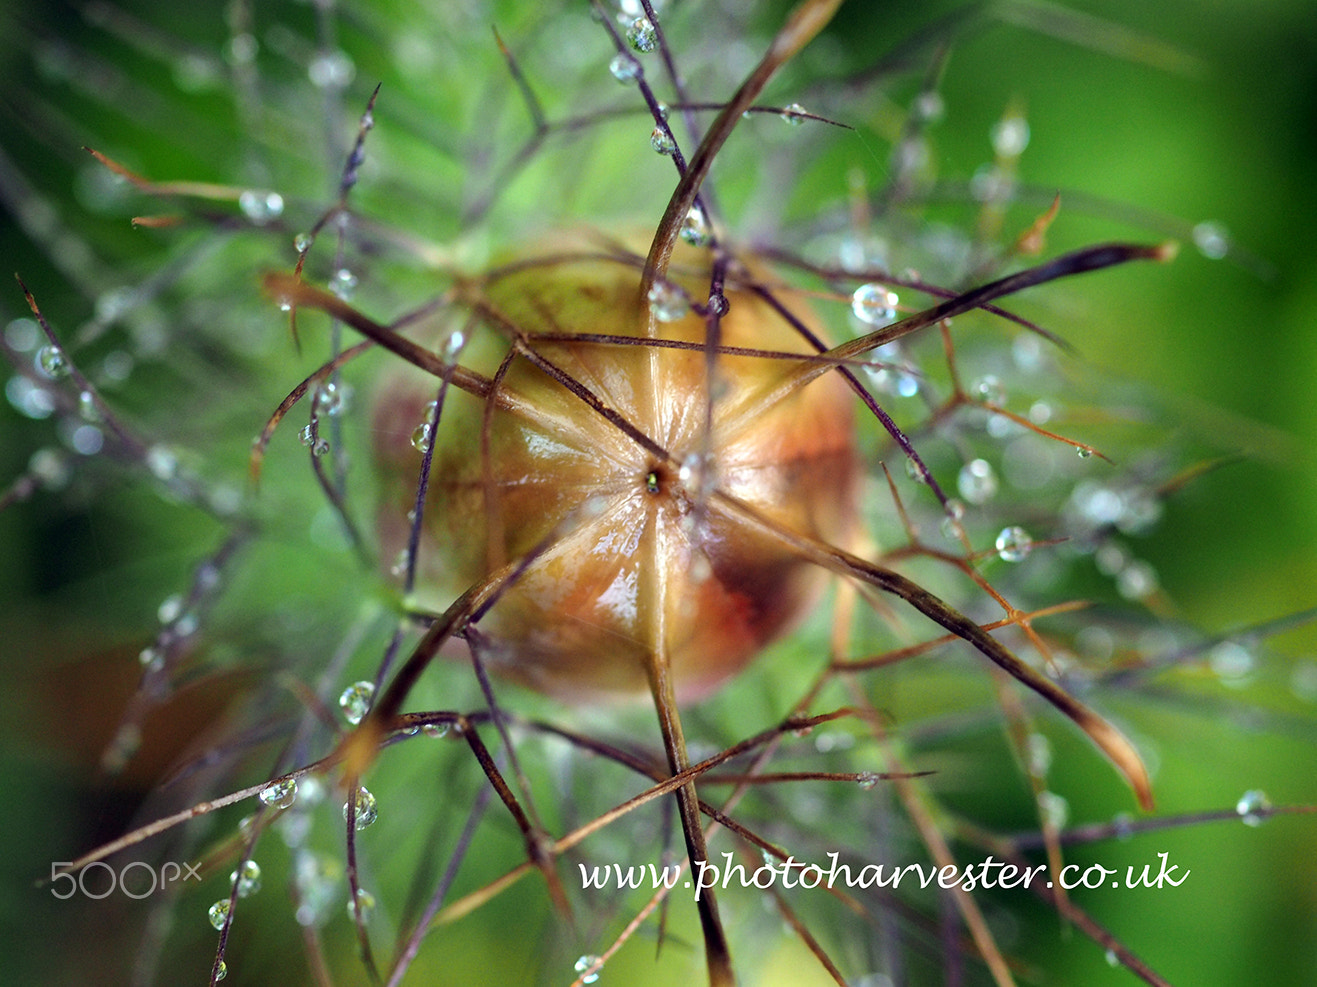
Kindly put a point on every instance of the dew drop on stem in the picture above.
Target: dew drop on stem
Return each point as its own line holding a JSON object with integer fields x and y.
{"x": 279, "y": 794}
{"x": 1253, "y": 807}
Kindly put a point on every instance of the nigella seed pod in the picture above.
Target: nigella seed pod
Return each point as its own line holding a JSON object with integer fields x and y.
{"x": 673, "y": 563}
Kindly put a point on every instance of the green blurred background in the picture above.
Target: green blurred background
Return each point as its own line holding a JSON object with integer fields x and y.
{"x": 1212, "y": 120}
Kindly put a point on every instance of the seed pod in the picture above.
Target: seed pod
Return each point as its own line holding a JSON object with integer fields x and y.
{"x": 633, "y": 558}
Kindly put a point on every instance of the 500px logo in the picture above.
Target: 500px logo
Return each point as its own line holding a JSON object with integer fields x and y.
{"x": 145, "y": 879}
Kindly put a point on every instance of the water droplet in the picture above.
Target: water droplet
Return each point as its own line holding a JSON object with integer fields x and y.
{"x": 28, "y": 398}
{"x": 866, "y": 780}
{"x": 1303, "y": 680}
{"x": 435, "y": 730}
{"x": 951, "y": 522}
{"x": 367, "y": 811}
{"x": 170, "y": 609}
{"x": 873, "y": 304}
{"x": 452, "y": 347}
{"x": 317, "y": 880}
{"x": 343, "y": 283}
{"x": 1253, "y": 807}
{"x": 307, "y": 436}
{"x": 667, "y": 302}
{"x": 1038, "y": 754}
{"x": 585, "y": 963}
{"x": 794, "y": 114}
{"x": 977, "y": 481}
{"x": 261, "y": 207}
{"x": 1027, "y": 352}
{"x": 1013, "y": 544}
{"x": 1122, "y": 824}
{"x": 151, "y": 659}
{"x": 929, "y": 106}
{"x": 248, "y": 880}
{"x": 302, "y": 242}
{"x": 989, "y": 389}
{"x": 241, "y": 49}
{"x": 916, "y": 470}
{"x": 280, "y": 794}
{"x": 1054, "y": 809}
{"x": 162, "y": 462}
{"x": 421, "y": 437}
{"x": 51, "y": 362}
{"x": 1212, "y": 240}
{"x": 331, "y": 69}
{"x": 1083, "y": 452}
{"x": 661, "y": 140}
{"x": 320, "y": 448}
{"x": 695, "y": 227}
{"x": 365, "y": 905}
{"x": 355, "y": 701}
{"x": 22, "y": 334}
{"x": 1137, "y": 580}
{"x": 1231, "y": 662}
{"x": 88, "y": 409}
{"x": 1040, "y": 412}
{"x": 86, "y": 440}
{"x": 331, "y": 399}
{"x": 1010, "y": 136}
{"x": 401, "y": 563}
{"x": 624, "y": 68}
{"x": 1112, "y": 958}
{"x": 51, "y": 467}
{"x": 641, "y": 35}
{"x": 219, "y": 914}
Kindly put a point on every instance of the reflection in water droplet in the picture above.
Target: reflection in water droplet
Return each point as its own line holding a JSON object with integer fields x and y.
{"x": 794, "y": 114}
{"x": 661, "y": 140}
{"x": 1014, "y": 544}
{"x": 367, "y": 810}
{"x": 280, "y": 794}
{"x": 641, "y": 35}
{"x": 355, "y": 701}
{"x": 867, "y": 780}
{"x": 873, "y": 304}
{"x": 249, "y": 880}
{"x": 51, "y": 362}
{"x": 331, "y": 399}
{"x": 343, "y": 283}
{"x": 695, "y": 227}
{"x": 219, "y": 914}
